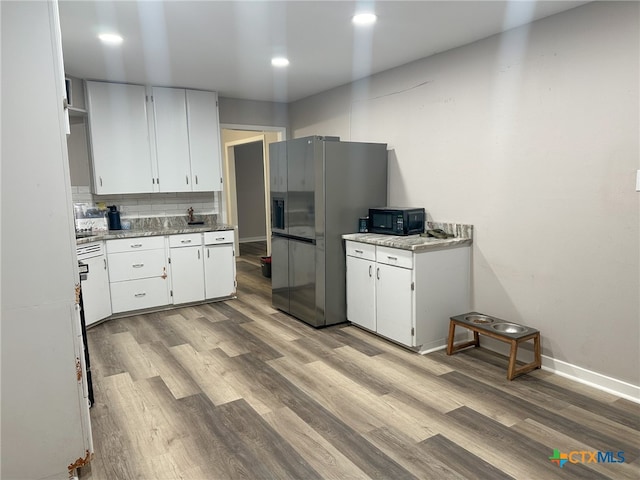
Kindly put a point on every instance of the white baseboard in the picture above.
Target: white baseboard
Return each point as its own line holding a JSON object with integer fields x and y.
{"x": 252, "y": 239}
{"x": 597, "y": 380}
{"x": 564, "y": 369}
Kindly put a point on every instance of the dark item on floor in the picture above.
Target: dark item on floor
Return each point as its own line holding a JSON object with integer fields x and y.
{"x": 265, "y": 264}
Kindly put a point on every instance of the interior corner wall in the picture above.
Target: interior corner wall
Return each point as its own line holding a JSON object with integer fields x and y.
{"x": 532, "y": 136}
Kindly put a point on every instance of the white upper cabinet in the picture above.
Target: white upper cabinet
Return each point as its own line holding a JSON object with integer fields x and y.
{"x": 120, "y": 146}
{"x": 204, "y": 140}
{"x": 187, "y": 140}
{"x": 172, "y": 139}
{"x": 173, "y": 148}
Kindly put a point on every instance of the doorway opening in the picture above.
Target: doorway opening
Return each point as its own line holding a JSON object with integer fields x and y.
{"x": 246, "y": 184}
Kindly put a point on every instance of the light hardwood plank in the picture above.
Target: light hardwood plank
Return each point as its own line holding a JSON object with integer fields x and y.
{"x": 315, "y": 449}
{"x": 136, "y": 363}
{"x": 207, "y": 372}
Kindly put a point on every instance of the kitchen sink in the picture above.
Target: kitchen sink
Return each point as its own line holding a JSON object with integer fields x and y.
{"x": 479, "y": 319}
{"x": 509, "y": 328}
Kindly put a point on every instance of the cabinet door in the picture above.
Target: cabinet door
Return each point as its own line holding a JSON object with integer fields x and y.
{"x": 172, "y": 139}
{"x": 394, "y": 303}
{"x": 361, "y": 292}
{"x": 95, "y": 291}
{"x": 219, "y": 271}
{"x": 187, "y": 275}
{"x": 204, "y": 140}
{"x": 121, "y": 153}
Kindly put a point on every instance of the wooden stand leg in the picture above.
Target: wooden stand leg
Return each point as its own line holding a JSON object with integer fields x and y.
{"x": 451, "y": 348}
{"x": 537, "y": 360}
{"x": 512, "y": 360}
{"x": 452, "y": 333}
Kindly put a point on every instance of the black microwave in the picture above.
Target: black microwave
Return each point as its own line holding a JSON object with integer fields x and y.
{"x": 396, "y": 220}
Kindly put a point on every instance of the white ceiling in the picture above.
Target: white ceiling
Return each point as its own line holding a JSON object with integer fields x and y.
{"x": 227, "y": 45}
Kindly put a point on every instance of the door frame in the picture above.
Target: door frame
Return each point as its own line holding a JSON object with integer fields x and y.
{"x": 230, "y": 208}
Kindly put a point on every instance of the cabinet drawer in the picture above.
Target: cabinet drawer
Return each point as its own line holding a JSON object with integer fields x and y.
{"x": 220, "y": 236}
{"x": 134, "y": 244}
{"x": 135, "y": 265}
{"x": 395, "y": 257}
{"x": 185, "y": 240}
{"x": 139, "y": 294}
{"x": 361, "y": 250}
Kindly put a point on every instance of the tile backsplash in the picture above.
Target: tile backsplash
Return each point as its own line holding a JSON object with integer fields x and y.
{"x": 153, "y": 204}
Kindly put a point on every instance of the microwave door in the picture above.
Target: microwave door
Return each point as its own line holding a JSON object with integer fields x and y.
{"x": 382, "y": 221}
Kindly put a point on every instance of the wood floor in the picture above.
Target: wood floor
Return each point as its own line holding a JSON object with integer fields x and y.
{"x": 237, "y": 390}
{"x": 252, "y": 251}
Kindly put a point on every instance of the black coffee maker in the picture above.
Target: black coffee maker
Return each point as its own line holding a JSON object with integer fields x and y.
{"x": 113, "y": 217}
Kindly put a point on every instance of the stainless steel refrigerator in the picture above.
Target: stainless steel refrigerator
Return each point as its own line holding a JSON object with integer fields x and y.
{"x": 320, "y": 187}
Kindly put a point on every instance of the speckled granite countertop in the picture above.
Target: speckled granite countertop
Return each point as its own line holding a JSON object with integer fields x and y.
{"x": 153, "y": 231}
{"x": 417, "y": 243}
{"x": 155, "y": 226}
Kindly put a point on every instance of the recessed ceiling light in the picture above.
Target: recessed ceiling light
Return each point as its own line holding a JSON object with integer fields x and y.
{"x": 279, "y": 62}
{"x": 364, "y": 19}
{"x": 110, "y": 38}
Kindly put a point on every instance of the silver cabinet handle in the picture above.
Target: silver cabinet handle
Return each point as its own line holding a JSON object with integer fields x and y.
{"x": 141, "y": 294}
{"x": 219, "y": 238}
{"x": 378, "y": 273}
{"x": 198, "y": 254}
{"x": 208, "y": 251}
{"x": 100, "y": 180}
{"x": 105, "y": 263}
{"x": 185, "y": 241}
{"x": 135, "y": 245}
{"x": 186, "y": 177}
{"x": 138, "y": 265}
{"x": 359, "y": 251}
{"x": 392, "y": 258}
{"x": 196, "y": 179}
{"x": 370, "y": 270}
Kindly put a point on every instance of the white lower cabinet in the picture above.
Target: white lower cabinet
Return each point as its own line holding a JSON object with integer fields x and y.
{"x": 219, "y": 264}
{"x": 406, "y": 296}
{"x": 138, "y": 273}
{"x": 157, "y": 271}
{"x": 361, "y": 285}
{"x": 394, "y": 303}
{"x": 96, "y": 300}
{"x": 187, "y": 270}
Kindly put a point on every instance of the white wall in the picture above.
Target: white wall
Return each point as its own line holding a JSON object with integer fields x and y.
{"x": 533, "y": 137}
